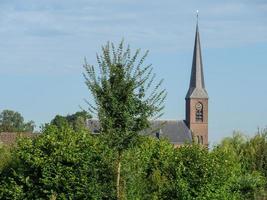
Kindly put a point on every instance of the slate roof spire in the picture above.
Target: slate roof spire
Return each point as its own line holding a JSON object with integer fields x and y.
{"x": 197, "y": 84}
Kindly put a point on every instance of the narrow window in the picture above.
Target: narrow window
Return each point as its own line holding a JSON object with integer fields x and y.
{"x": 201, "y": 139}
{"x": 198, "y": 140}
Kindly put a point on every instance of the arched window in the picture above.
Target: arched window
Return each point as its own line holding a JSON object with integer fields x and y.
{"x": 199, "y": 112}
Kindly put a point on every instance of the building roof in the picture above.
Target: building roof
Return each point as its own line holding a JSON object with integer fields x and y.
{"x": 175, "y": 131}
{"x": 197, "y": 84}
{"x": 9, "y": 138}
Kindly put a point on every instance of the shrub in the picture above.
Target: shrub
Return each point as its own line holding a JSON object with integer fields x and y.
{"x": 156, "y": 170}
{"x": 59, "y": 163}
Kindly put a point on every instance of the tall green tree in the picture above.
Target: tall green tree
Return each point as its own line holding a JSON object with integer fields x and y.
{"x": 12, "y": 121}
{"x": 125, "y": 97}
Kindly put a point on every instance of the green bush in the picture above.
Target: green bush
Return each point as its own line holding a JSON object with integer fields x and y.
{"x": 250, "y": 152}
{"x": 5, "y": 156}
{"x": 156, "y": 170}
{"x": 59, "y": 163}
{"x": 146, "y": 169}
{"x": 65, "y": 164}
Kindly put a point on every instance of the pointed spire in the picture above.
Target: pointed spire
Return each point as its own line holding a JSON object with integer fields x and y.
{"x": 197, "y": 85}
{"x": 197, "y": 17}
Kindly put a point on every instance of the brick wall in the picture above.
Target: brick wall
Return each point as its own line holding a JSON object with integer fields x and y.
{"x": 198, "y": 128}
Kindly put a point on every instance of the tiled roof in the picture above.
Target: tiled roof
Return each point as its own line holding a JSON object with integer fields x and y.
{"x": 9, "y": 138}
{"x": 175, "y": 131}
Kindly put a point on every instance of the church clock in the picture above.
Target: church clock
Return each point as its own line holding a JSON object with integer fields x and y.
{"x": 199, "y": 106}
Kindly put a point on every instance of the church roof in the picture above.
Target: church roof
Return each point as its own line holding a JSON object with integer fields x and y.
{"x": 197, "y": 84}
{"x": 175, "y": 131}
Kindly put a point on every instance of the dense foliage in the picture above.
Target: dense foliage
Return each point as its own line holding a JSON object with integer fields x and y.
{"x": 158, "y": 171}
{"x": 251, "y": 152}
{"x": 5, "y": 155}
{"x": 12, "y": 121}
{"x": 66, "y": 164}
{"x": 60, "y": 163}
{"x": 125, "y": 95}
{"x": 77, "y": 120}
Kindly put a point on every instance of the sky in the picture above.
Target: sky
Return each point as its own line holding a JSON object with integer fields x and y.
{"x": 43, "y": 44}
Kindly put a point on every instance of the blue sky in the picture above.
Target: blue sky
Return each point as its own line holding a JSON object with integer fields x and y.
{"x": 43, "y": 44}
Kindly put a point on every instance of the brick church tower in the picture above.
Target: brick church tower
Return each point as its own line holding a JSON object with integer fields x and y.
{"x": 197, "y": 98}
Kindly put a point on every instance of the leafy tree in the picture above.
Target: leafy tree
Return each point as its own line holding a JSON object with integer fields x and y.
{"x": 251, "y": 153}
{"x": 11, "y": 121}
{"x": 125, "y": 97}
{"x": 255, "y": 152}
{"x": 76, "y": 121}
{"x": 156, "y": 170}
{"x": 59, "y": 164}
{"x": 63, "y": 164}
{"x": 59, "y": 121}
{"x": 147, "y": 169}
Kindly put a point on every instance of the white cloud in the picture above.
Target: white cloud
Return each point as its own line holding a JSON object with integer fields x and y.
{"x": 52, "y": 27}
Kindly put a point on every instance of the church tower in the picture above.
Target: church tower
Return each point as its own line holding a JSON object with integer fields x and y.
{"x": 197, "y": 98}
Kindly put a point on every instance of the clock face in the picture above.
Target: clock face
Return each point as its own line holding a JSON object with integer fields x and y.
{"x": 199, "y": 106}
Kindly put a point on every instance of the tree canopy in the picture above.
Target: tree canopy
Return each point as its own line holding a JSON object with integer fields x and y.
{"x": 76, "y": 121}
{"x": 125, "y": 93}
{"x": 12, "y": 121}
{"x": 60, "y": 163}
{"x": 65, "y": 164}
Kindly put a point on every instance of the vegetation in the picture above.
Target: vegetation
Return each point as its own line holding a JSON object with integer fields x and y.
{"x": 156, "y": 170}
{"x": 76, "y": 121}
{"x": 11, "y": 121}
{"x": 251, "y": 152}
{"x": 65, "y": 164}
{"x": 60, "y": 164}
{"x": 125, "y": 97}
{"x": 5, "y": 156}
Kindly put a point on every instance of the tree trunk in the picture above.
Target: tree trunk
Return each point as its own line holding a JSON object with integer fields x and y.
{"x": 118, "y": 177}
